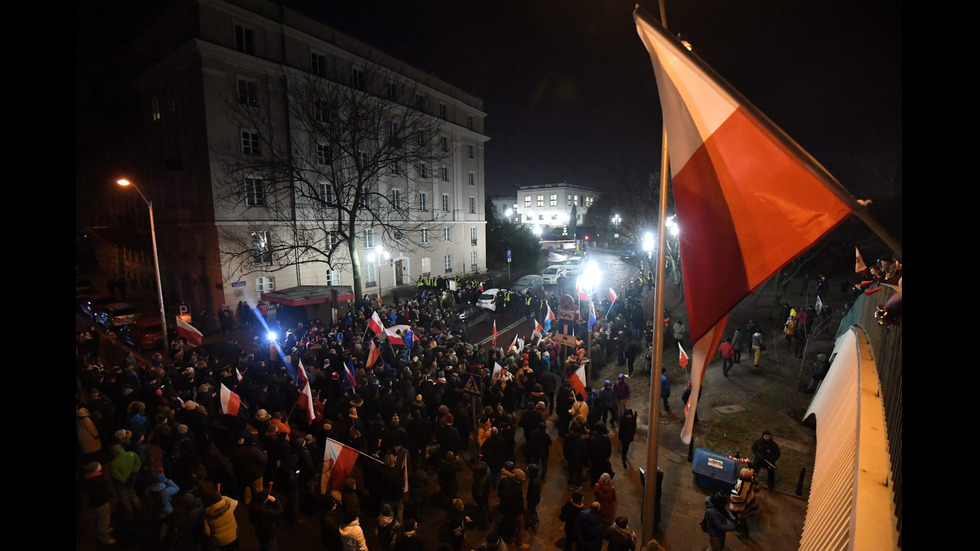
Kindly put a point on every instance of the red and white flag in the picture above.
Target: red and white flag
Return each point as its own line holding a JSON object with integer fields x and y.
{"x": 859, "y": 266}
{"x": 538, "y": 328}
{"x": 238, "y": 375}
{"x": 683, "y": 358}
{"x": 740, "y": 184}
{"x": 495, "y": 333}
{"x": 551, "y": 315}
{"x": 395, "y": 332}
{"x": 577, "y": 380}
{"x": 230, "y": 402}
{"x": 373, "y": 354}
{"x": 374, "y": 324}
{"x": 581, "y": 294}
{"x": 612, "y": 295}
{"x": 189, "y": 332}
{"x": 497, "y": 372}
{"x": 338, "y": 462}
{"x": 305, "y": 398}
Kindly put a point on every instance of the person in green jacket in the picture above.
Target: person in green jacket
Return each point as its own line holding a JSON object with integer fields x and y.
{"x": 123, "y": 468}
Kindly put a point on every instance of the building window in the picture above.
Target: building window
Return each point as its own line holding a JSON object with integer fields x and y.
{"x": 369, "y": 238}
{"x": 265, "y": 284}
{"x": 326, "y": 193}
{"x": 472, "y": 205}
{"x": 472, "y": 178}
{"x": 527, "y": 201}
{"x": 447, "y": 235}
{"x": 554, "y": 217}
{"x": 244, "y": 40}
{"x": 588, "y": 201}
{"x": 420, "y": 136}
{"x": 254, "y": 192}
{"x": 396, "y": 168}
{"x": 333, "y": 277}
{"x": 393, "y": 129}
{"x": 474, "y": 260}
{"x": 356, "y": 78}
{"x": 469, "y": 122}
{"x": 371, "y": 275}
{"x": 399, "y": 235}
{"x": 362, "y": 160}
{"x": 443, "y": 111}
{"x": 420, "y": 102}
{"x": 392, "y": 91}
{"x": 449, "y": 263}
{"x": 155, "y": 108}
{"x": 248, "y": 92}
{"x": 261, "y": 252}
{"x": 471, "y": 151}
{"x": 396, "y": 199}
{"x": 332, "y": 240}
{"x": 444, "y": 143}
{"x": 324, "y": 155}
{"x": 423, "y": 171}
{"x": 250, "y": 143}
{"x": 445, "y": 173}
{"x": 318, "y": 64}
{"x": 540, "y": 200}
{"x": 321, "y": 111}
{"x": 473, "y": 235}
{"x": 425, "y": 235}
{"x": 445, "y": 202}
{"x": 540, "y": 217}
{"x": 553, "y": 200}
{"x": 423, "y": 201}
{"x": 426, "y": 266}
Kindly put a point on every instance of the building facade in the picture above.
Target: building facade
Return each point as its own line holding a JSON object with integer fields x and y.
{"x": 223, "y": 102}
{"x": 549, "y": 206}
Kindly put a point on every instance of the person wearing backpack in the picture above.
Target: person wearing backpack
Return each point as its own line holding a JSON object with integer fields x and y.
{"x": 157, "y": 501}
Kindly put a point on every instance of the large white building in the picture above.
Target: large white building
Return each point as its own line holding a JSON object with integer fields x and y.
{"x": 208, "y": 59}
{"x": 550, "y": 205}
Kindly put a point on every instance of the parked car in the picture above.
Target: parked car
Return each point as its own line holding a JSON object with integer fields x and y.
{"x": 572, "y": 265}
{"x": 551, "y": 274}
{"x": 627, "y": 254}
{"x": 91, "y": 305}
{"x": 145, "y": 334}
{"x": 488, "y": 300}
{"x": 532, "y": 282}
{"x": 117, "y": 315}
{"x": 472, "y": 315}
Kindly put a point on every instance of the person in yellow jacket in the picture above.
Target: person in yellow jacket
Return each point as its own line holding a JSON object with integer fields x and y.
{"x": 219, "y": 521}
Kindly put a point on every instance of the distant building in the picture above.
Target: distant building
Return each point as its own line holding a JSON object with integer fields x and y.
{"x": 549, "y": 206}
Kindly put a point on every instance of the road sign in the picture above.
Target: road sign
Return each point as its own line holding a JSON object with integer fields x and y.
{"x": 566, "y": 302}
{"x": 508, "y": 255}
{"x": 471, "y": 384}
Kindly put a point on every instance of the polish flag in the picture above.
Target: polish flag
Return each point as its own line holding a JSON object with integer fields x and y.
{"x": 305, "y": 401}
{"x": 230, "y": 402}
{"x": 612, "y": 295}
{"x": 392, "y": 333}
{"x": 581, "y": 294}
{"x": 740, "y": 184}
{"x": 577, "y": 380}
{"x": 338, "y": 462}
{"x": 683, "y": 359}
{"x": 859, "y": 265}
{"x": 238, "y": 375}
{"x": 349, "y": 374}
{"x": 189, "y": 332}
{"x": 374, "y": 324}
{"x": 495, "y": 333}
{"x": 373, "y": 354}
{"x": 538, "y": 328}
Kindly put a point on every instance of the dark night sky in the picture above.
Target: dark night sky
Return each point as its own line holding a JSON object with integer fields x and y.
{"x": 570, "y": 94}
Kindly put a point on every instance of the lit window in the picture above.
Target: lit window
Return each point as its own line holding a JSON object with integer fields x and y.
{"x": 425, "y": 236}
{"x": 553, "y": 200}
{"x": 527, "y": 201}
{"x": 265, "y": 284}
{"x": 261, "y": 252}
{"x": 540, "y": 200}
{"x": 369, "y": 238}
{"x": 333, "y": 277}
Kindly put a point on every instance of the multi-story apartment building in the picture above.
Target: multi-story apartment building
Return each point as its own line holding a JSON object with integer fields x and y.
{"x": 550, "y": 205}
{"x": 279, "y": 152}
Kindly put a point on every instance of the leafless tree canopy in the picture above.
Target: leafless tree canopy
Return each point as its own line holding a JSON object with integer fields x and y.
{"x": 341, "y": 158}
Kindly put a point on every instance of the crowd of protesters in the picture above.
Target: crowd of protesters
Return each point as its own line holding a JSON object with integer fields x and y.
{"x": 406, "y": 408}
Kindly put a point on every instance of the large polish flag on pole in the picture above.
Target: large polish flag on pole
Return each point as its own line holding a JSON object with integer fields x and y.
{"x": 577, "y": 380}
{"x": 338, "y": 462}
{"x": 230, "y": 402}
{"x": 189, "y": 332}
{"x": 374, "y": 324}
{"x": 748, "y": 197}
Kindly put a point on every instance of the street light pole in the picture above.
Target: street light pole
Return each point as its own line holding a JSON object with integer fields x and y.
{"x": 156, "y": 263}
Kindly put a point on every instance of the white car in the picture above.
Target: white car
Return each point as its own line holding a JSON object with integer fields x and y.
{"x": 572, "y": 265}
{"x": 552, "y": 273}
{"x": 488, "y": 300}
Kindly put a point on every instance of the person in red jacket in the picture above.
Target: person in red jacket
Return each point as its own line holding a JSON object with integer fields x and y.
{"x": 727, "y": 352}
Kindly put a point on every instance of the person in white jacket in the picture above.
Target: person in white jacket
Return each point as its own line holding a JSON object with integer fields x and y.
{"x": 352, "y": 536}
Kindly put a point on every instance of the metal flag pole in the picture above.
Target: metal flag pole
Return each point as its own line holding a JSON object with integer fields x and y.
{"x": 653, "y": 433}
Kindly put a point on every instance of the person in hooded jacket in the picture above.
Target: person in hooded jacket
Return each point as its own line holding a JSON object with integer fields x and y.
{"x": 717, "y": 517}
{"x": 219, "y": 521}
{"x": 569, "y": 514}
{"x": 123, "y": 468}
{"x": 589, "y": 529}
{"x": 352, "y": 536}
{"x": 627, "y": 432}
{"x": 388, "y": 527}
{"x": 600, "y": 451}
{"x": 157, "y": 499}
{"x": 605, "y": 495}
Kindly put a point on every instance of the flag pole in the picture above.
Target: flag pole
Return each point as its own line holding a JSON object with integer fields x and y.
{"x": 653, "y": 432}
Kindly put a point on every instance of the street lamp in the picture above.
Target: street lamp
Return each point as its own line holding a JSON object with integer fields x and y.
{"x": 380, "y": 256}
{"x": 617, "y": 220}
{"x": 648, "y": 245}
{"x": 156, "y": 261}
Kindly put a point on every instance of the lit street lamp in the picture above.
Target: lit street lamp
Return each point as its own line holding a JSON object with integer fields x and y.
{"x": 380, "y": 255}
{"x": 156, "y": 262}
{"x": 617, "y": 220}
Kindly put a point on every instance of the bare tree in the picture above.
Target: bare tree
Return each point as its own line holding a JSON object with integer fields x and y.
{"x": 342, "y": 164}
